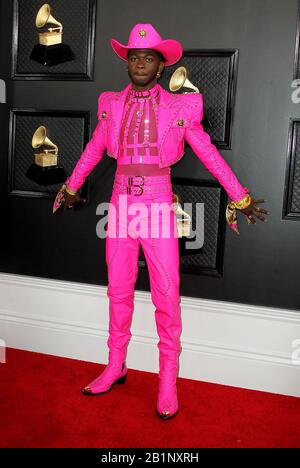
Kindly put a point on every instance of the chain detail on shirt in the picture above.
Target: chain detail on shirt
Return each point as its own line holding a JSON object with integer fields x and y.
{"x": 138, "y": 149}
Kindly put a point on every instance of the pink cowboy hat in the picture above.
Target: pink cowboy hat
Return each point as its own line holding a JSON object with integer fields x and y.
{"x": 145, "y": 36}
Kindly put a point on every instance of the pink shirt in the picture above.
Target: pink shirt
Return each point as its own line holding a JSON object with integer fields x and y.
{"x": 138, "y": 149}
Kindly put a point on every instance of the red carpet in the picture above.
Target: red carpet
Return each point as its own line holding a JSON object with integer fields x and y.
{"x": 42, "y": 406}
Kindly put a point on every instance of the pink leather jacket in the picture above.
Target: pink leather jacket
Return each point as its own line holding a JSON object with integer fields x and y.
{"x": 179, "y": 118}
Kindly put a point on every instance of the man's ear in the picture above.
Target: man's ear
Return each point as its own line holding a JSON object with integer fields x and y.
{"x": 161, "y": 66}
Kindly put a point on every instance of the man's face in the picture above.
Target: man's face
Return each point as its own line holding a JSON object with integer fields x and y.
{"x": 143, "y": 65}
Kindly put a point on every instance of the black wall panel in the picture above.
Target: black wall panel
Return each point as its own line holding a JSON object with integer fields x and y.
{"x": 262, "y": 265}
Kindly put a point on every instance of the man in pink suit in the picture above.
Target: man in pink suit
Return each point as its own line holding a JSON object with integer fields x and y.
{"x": 144, "y": 127}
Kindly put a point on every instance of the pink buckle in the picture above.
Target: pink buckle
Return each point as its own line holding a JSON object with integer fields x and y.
{"x": 131, "y": 184}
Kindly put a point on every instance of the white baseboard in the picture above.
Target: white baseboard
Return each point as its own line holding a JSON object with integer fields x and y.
{"x": 222, "y": 342}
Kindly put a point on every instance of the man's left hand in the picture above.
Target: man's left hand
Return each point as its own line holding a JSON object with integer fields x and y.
{"x": 253, "y": 211}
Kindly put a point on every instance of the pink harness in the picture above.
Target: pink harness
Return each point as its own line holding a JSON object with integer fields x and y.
{"x": 138, "y": 149}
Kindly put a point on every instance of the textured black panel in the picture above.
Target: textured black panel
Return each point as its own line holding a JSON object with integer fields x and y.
{"x": 209, "y": 258}
{"x": 210, "y": 197}
{"x": 214, "y": 74}
{"x": 296, "y": 184}
{"x": 77, "y": 18}
{"x": 68, "y": 130}
{"x": 291, "y": 208}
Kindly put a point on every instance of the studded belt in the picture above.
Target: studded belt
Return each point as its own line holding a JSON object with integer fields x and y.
{"x": 137, "y": 185}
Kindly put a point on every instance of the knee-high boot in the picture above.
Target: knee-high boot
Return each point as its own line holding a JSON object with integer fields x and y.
{"x": 168, "y": 323}
{"x": 122, "y": 263}
{"x": 162, "y": 256}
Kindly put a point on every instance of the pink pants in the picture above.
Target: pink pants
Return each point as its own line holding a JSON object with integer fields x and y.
{"x": 162, "y": 256}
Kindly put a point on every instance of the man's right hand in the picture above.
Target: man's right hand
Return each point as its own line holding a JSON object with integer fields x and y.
{"x": 70, "y": 200}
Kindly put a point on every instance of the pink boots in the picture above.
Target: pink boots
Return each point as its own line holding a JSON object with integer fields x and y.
{"x": 167, "y": 401}
{"x": 104, "y": 383}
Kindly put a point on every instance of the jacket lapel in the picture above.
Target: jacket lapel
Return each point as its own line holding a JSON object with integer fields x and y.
{"x": 116, "y": 111}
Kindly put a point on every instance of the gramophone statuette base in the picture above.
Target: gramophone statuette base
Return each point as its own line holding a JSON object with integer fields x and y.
{"x": 48, "y": 175}
{"x": 51, "y": 55}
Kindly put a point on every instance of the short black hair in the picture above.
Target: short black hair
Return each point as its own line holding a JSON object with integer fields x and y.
{"x": 161, "y": 56}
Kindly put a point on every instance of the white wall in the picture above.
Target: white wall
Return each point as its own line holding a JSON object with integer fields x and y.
{"x": 226, "y": 343}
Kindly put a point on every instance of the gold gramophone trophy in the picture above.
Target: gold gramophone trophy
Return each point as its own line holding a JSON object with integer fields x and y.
{"x": 183, "y": 219}
{"x": 179, "y": 79}
{"x": 45, "y": 169}
{"x": 50, "y": 50}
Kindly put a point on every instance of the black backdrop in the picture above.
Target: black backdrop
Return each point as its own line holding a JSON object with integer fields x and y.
{"x": 262, "y": 265}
